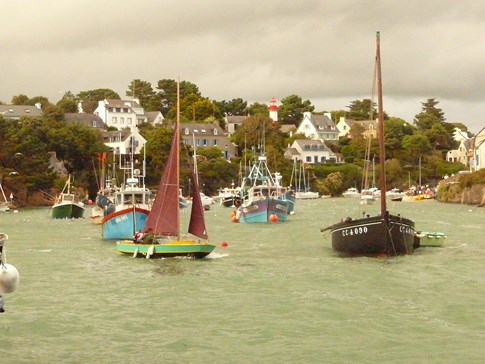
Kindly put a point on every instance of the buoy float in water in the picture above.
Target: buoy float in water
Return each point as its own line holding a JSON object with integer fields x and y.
{"x": 9, "y": 278}
{"x": 273, "y": 218}
{"x": 224, "y": 244}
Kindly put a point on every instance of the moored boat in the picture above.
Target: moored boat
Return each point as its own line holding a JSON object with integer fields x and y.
{"x": 67, "y": 205}
{"x": 384, "y": 234}
{"x": 131, "y": 204}
{"x": 263, "y": 198}
{"x": 351, "y": 192}
{"x": 161, "y": 237}
{"x": 431, "y": 238}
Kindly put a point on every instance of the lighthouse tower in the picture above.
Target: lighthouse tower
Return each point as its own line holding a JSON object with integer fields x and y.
{"x": 273, "y": 109}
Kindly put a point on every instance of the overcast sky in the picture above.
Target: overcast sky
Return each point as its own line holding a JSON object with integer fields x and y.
{"x": 322, "y": 51}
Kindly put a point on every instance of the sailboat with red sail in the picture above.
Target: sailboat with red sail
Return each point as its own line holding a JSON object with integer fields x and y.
{"x": 384, "y": 234}
{"x": 161, "y": 234}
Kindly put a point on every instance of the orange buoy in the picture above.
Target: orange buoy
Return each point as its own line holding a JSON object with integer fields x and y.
{"x": 234, "y": 218}
{"x": 273, "y": 218}
{"x": 224, "y": 244}
{"x": 233, "y": 214}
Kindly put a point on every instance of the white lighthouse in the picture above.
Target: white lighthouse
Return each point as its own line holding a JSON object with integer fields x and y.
{"x": 273, "y": 109}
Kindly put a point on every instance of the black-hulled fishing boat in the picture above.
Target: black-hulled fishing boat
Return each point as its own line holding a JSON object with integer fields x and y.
{"x": 384, "y": 234}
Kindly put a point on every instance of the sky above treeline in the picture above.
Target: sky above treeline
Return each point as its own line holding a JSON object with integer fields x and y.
{"x": 322, "y": 51}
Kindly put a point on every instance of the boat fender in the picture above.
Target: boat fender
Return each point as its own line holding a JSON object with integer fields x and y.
{"x": 150, "y": 251}
{"x": 9, "y": 278}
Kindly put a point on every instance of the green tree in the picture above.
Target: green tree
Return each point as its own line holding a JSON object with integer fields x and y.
{"x": 90, "y": 98}
{"x": 394, "y": 131}
{"x": 258, "y": 109}
{"x": 233, "y": 107}
{"x": 68, "y": 103}
{"x": 416, "y": 145}
{"x": 20, "y": 100}
{"x": 168, "y": 94}
{"x": 362, "y": 110}
{"x": 143, "y": 91}
{"x": 292, "y": 109}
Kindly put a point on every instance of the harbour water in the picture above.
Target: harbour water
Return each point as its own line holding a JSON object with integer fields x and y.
{"x": 276, "y": 294}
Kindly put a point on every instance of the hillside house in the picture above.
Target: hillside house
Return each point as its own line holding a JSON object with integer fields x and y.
{"x": 124, "y": 141}
{"x": 311, "y": 152}
{"x": 344, "y": 125}
{"x": 90, "y": 120}
{"x": 318, "y": 127}
{"x": 477, "y": 151}
{"x": 121, "y": 113}
{"x": 15, "y": 112}
{"x": 207, "y": 136}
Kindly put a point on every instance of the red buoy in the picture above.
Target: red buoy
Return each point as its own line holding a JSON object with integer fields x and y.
{"x": 224, "y": 244}
{"x": 273, "y": 218}
{"x": 234, "y": 218}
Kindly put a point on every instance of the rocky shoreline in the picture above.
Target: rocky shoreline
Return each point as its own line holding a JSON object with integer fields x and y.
{"x": 451, "y": 190}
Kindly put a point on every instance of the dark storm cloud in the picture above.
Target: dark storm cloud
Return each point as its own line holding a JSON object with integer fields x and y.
{"x": 320, "y": 50}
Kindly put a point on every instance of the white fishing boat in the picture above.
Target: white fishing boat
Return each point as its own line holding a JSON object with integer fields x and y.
{"x": 351, "y": 192}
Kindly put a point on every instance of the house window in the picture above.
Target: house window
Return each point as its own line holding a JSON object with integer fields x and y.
{"x": 323, "y": 159}
{"x": 122, "y": 120}
{"x": 129, "y": 120}
{"x": 216, "y": 142}
{"x": 308, "y": 159}
{"x": 93, "y": 123}
{"x": 215, "y": 131}
{"x": 114, "y": 120}
{"x": 197, "y": 142}
{"x": 204, "y": 142}
{"x": 186, "y": 131}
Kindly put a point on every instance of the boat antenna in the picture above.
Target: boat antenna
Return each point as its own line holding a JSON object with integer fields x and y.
{"x": 380, "y": 126}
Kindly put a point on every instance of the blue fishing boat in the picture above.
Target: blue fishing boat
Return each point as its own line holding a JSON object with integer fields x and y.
{"x": 131, "y": 204}
{"x": 263, "y": 198}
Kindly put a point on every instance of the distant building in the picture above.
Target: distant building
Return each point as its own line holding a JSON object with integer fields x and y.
{"x": 311, "y": 152}
{"x": 233, "y": 122}
{"x": 344, "y": 125}
{"x": 121, "y": 113}
{"x": 207, "y": 136}
{"x": 273, "y": 109}
{"x": 460, "y": 154}
{"x": 15, "y": 112}
{"x": 318, "y": 127}
{"x": 477, "y": 151}
{"x": 124, "y": 141}
{"x": 91, "y": 120}
{"x": 155, "y": 117}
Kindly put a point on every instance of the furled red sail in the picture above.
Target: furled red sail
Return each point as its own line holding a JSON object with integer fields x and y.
{"x": 197, "y": 222}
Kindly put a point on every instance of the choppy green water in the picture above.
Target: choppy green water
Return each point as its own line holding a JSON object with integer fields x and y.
{"x": 276, "y": 294}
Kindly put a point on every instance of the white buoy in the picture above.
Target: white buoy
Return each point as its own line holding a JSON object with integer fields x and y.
{"x": 9, "y": 278}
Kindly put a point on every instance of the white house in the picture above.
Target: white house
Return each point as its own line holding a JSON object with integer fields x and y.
{"x": 477, "y": 151}
{"x": 123, "y": 141}
{"x": 155, "y": 117}
{"x": 310, "y": 151}
{"x": 318, "y": 127}
{"x": 344, "y": 125}
{"x": 121, "y": 113}
{"x": 460, "y": 154}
